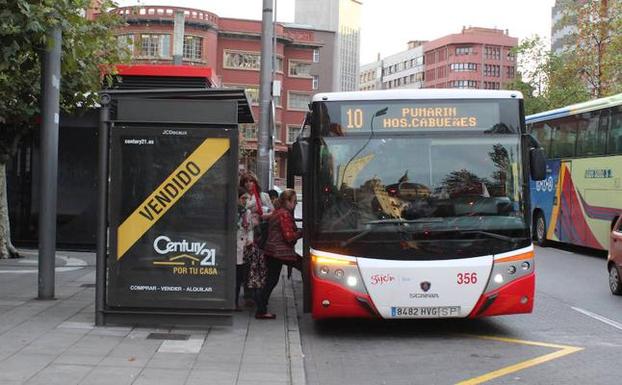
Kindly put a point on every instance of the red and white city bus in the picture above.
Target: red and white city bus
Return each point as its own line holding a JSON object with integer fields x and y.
{"x": 416, "y": 204}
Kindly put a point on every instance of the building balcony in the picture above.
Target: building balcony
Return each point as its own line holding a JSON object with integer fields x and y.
{"x": 166, "y": 13}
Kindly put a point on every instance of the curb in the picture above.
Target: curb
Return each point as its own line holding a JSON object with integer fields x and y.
{"x": 292, "y": 335}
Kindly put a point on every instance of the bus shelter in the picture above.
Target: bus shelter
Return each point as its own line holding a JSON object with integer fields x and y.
{"x": 167, "y": 195}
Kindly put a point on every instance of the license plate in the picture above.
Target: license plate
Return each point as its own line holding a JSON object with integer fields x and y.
{"x": 425, "y": 312}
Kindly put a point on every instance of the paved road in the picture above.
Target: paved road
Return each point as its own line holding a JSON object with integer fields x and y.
{"x": 576, "y": 331}
{"x": 55, "y": 342}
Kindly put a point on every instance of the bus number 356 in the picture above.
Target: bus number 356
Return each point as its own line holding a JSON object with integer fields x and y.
{"x": 466, "y": 278}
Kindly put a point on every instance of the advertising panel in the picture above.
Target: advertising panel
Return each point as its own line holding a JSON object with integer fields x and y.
{"x": 171, "y": 242}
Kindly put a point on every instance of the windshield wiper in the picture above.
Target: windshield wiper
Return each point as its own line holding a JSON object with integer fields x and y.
{"x": 493, "y": 235}
{"x": 405, "y": 221}
{"x": 372, "y": 225}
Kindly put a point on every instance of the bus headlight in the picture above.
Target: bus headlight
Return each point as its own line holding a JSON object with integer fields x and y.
{"x": 506, "y": 270}
{"x": 352, "y": 281}
{"x": 345, "y": 270}
{"x": 498, "y": 278}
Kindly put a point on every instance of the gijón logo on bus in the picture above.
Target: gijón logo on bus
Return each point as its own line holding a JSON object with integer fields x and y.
{"x": 185, "y": 257}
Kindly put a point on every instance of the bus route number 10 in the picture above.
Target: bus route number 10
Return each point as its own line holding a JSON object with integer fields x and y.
{"x": 355, "y": 118}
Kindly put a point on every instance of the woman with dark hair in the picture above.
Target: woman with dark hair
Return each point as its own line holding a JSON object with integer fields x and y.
{"x": 279, "y": 248}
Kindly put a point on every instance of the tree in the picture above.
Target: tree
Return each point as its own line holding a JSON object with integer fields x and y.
{"x": 463, "y": 182}
{"x": 596, "y": 53}
{"x": 89, "y": 48}
{"x": 546, "y": 79}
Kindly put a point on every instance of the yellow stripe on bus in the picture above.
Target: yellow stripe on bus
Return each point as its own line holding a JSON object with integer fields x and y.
{"x": 550, "y": 233}
{"x": 169, "y": 192}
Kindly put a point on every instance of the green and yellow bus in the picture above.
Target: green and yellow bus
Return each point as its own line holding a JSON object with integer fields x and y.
{"x": 581, "y": 197}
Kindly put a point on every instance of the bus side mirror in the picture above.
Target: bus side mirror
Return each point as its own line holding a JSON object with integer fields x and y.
{"x": 537, "y": 163}
{"x": 297, "y": 160}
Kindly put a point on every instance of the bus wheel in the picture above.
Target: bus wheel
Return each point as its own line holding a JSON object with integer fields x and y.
{"x": 540, "y": 229}
{"x": 614, "y": 280}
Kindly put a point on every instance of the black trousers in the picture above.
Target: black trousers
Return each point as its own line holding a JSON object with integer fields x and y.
{"x": 274, "y": 267}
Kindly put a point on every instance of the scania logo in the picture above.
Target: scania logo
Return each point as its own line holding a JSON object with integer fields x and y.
{"x": 425, "y": 285}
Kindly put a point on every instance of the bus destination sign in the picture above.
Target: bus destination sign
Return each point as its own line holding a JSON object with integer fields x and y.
{"x": 400, "y": 116}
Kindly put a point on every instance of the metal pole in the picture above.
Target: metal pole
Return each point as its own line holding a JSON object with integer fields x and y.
{"x": 178, "y": 38}
{"x": 265, "y": 88}
{"x": 272, "y": 126}
{"x": 50, "y": 98}
{"x": 102, "y": 210}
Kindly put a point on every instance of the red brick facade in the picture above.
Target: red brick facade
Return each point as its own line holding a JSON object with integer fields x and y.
{"x": 476, "y": 58}
{"x": 231, "y": 47}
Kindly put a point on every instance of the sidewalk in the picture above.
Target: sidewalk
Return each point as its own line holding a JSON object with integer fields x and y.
{"x": 56, "y": 342}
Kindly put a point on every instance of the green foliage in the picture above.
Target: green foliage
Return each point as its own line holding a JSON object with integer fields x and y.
{"x": 89, "y": 48}
{"x": 590, "y": 67}
{"x": 596, "y": 52}
{"x": 546, "y": 80}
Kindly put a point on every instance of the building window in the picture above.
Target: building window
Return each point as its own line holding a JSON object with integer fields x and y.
{"x": 463, "y": 67}
{"x": 155, "y": 46}
{"x": 279, "y": 64}
{"x": 242, "y": 60}
{"x": 493, "y": 53}
{"x": 126, "y": 42}
{"x": 253, "y": 94}
{"x": 298, "y": 101}
{"x": 464, "y": 51}
{"x": 492, "y": 85}
{"x": 277, "y": 133}
{"x": 441, "y": 72}
{"x": 251, "y": 91}
{"x": 492, "y": 70}
{"x": 249, "y": 131}
{"x": 463, "y": 84}
{"x": 193, "y": 47}
{"x": 316, "y": 82}
{"x": 429, "y": 58}
{"x": 277, "y": 100}
{"x": 442, "y": 55}
{"x": 292, "y": 133}
{"x": 299, "y": 69}
{"x": 510, "y": 71}
{"x": 316, "y": 55}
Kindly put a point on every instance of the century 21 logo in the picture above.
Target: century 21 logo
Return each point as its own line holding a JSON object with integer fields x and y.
{"x": 163, "y": 245}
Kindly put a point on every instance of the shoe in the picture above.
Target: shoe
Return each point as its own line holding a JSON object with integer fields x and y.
{"x": 265, "y": 316}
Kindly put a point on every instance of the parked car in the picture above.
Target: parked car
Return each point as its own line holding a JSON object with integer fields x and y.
{"x": 614, "y": 260}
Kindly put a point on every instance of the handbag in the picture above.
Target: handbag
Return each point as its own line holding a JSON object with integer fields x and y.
{"x": 260, "y": 234}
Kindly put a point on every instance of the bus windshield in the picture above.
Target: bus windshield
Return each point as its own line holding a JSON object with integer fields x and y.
{"x": 420, "y": 196}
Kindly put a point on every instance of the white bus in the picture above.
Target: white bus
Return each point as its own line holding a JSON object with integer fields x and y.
{"x": 416, "y": 204}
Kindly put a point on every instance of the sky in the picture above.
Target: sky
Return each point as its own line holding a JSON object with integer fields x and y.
{"x": 387, "y": 25}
